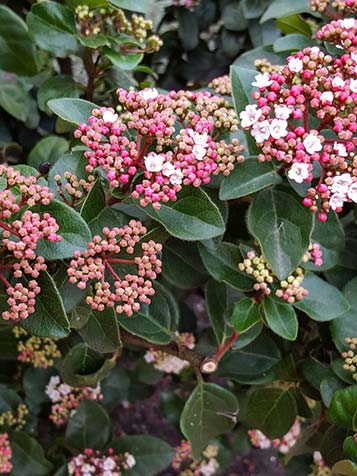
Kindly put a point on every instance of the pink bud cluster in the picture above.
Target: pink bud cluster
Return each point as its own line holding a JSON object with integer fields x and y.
{"x": 280, "y": 122}
{"x": 342, "y": 33}
{"x": 176, "y": 142}
{"x": 344, "y": 6}
{"x": 184, "y": 463}
{"x": 100, "y": 463}
{"x": 314, "y": 254}
{"x": 284, "y": 444}
{"x": 76, "y": 188}
{"x": 99, "y": 264}
{"x": 221, "y": 85}
{"x": 170, "y": 363}
{"x": 66, "y": 399}
{"x": 5, "y": 454}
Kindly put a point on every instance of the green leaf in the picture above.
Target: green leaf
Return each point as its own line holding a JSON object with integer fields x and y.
{"x": 294, "y": 24}
{"x": 71, "y": 109}
{"x": 181, "y": 264}
{"x": 14, "y": 97}
{"x": 245, "y": 315}
{"x": 83, "y": 366}
{"x": 241, "y": 79}
{"x": 324, "y": 302}
{"x": 283, "y": 8}
{"x": 94, "y": 203}
{"x": 56, "y": 87}
{"x": 271, "y": 410}
{"x": 49, "y": 318}
{"x": 156, "y": 322}
{"x": 71, "y": 295}
{"x": 72, "y": 228}
{"x": 210, "y": 411}
{"x": 132, "y": 5}
{"x": 34, "y": 383}
{"x": 283, "y": 227}
{"x": 49, "y": 149}
{"x": 281, "y": 318}
{"x": 9, "y": 399}
{"x": 73, "y": 162}
{"x": 247, "y": 178}
{"x": 344, "y": 468}
{"x": 89, "y": 427}
{"x": 115, "y": 387}
{"x": 28, "y": 457}
{"x": 218, "y": 308}
{"x": 152, "y": 455}
{"x": 123, "y": 61}
{"x": 343, "y": 408}
{"x": 350, "y": 447}
{"x": 17, "y": 52}
{"x": 222, "y": 264}
{"x": 101, "y": 331}
{"x": 192, "y": 217}
{"x": 293, "y": 42}
{"x": 52, "y": 26}
{"x": 346, "y": 325}
{"x": 233, "y": 18}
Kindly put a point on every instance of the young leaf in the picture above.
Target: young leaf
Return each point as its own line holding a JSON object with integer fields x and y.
{"x": 89, "y": 427}
{"x": 281, "y": 318}
{"x": 71, "y": 109}
{"x": 245, "y": 315}
{"x": 152, "y": 455}
{"x": 283, "y": 227}
{"x": 210, "y": 411}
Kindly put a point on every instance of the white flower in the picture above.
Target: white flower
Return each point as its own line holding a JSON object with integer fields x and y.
{"x": 282, "y": 112}
{"x": 149, "y": 93}
{"x": 64, "y": 389}
{"x": 109, "y": 463}
{"x": 353, "y": 85}
{"x": 168, "y": 169}
{"x": 210, "y": 468}
{"x": 327, "y": 96}
{"x": 149, "y": 357}
{"x": 348, "y": 23}
{"x": 338, "y": 82}
{"x": 340, "y": 149}
{"x": 109, "y": 117}
{"x": 198, "y": 139}
{"x": 312, "y": 143}
{"x": 295, "y": 65}
{"x": 352, "y": 192}
{"x": 315, "y": 50}
{"x": 154, "y": 162}
{"x": 262, "y": 80}
{"x": 354, "y": 56}
{"x": 176, "y": 177}
{"x": 199, "y": 151}
{"x": 336, "y": 201}
{"x": 341, "y": 183}
{"x": 317, "y": 457}
{"x": 71, "y": 468}
{"x": 261, "y": 131}
{"x": 278, "y": 128}
{"x": 130, "y": 461}
{"x": 298, "y": 172}
{"x": 108, "y": 473}
{"x": 250, "y": 115}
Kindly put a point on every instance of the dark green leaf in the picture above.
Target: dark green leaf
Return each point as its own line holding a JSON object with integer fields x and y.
{"x": 245, "y": 315}
{"x": 282, "y": 8}
{"x": 14, "y": 97}
{"x": 101, "y": 331}
{"x": 56, "y": 87}
{"x": 71, "y": 109}
{"x": 343, "y": 408}
{"x": 218, "y": 308}
{"x": 28, "y": 457}
{"x": 293, "y": 42}
{"x": 49, "y": 149}
{"x": 132, "y": 5}
{"x": 123, "y": 61}
{"x": 281, "y": 318}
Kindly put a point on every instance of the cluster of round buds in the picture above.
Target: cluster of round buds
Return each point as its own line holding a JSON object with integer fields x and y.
{"x": 169, "y": 157}
{"x": 21, "y": 299}
{"x": 259, "y": 269}
{"x": 74, "y": 187}
{"x": 5, "y": 454}
{"x": 280, "y": 121}
{"x": 66, "y": 399}
{"x": 184, "y": 463}
{"x": 100, "y": 463}
{"x": 291, "y": 289}
{"x": 344, "y": 6}
{"x": 283, "y": 444}
{"x": 350, "y": 356}
{"x": 342, "y": 33}
{"x": 38, "y": 351}
{"x": 170, "y": 363}
{"x": 221, "y": 85}
{"x": 265, "y": 66}
{"x": 14, "y": 420}
{"x": 319, "y": 467}
{"x": 314, "y": 254}
{"x": 99, "y": 264}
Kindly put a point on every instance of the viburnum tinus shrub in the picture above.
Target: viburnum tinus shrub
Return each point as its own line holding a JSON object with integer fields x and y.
{"x": 177, "y": 264}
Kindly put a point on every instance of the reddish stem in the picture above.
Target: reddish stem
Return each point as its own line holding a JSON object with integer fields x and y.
{"x": 120, "y": 261}
{"x": 112, "y": 271}
{"x": 306, "y": 117}
{"x": 8, "y": 228}
{"x": 222, "y": 349}
{"x": 4, "y": 280}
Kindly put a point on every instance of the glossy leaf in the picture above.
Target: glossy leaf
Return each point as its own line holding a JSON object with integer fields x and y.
{"x": 283, "y": 8}
{"x": 281, "y": 318}
{"x": 101, "y": 331}
{"x": 49, "y": 149}
{"x": 28, "y": 457}
{"x": 71, "y": 109}
{"x": 343, "y": 408}
{"x": 245, "y": 315}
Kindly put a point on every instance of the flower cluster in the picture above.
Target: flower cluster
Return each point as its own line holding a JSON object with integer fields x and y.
{"x": 339, "y": 5}
{"x": 99, "y": 463}
{"x": 350, "y": 356}
{"x": 342, "y": 33}
{"x": 74, "y": 187}
{"x": 113, "y": 21}
{"x": 283, "y": 444}
{"x": 221, "y": 85}
{"x": 20, "y": 237}
{"x": 265, "y": 66}
{"x": 281, "y": 125}
{"x": 100, "y": 259}
{"x": 37, "y": 351}
{"x": 184, "y": 464}
{"x": 66, "y": 399}
{"x": 290, "y": 289}
{"x": 5, "y": 454}
{"x": 175, "y": 142}
{"x": 14, "y": 419}
{"x": 169, "y": 363}
{"x": 319, "y": 467}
